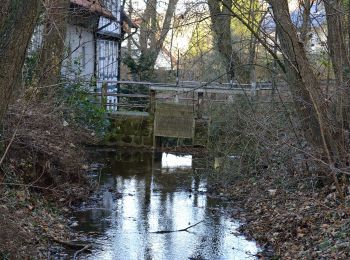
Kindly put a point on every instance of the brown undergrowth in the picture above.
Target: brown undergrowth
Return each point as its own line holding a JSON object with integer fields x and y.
{"x": 44, "y": 170}
{"x": 294, "y": 218}
{"x": 286, "y": 192}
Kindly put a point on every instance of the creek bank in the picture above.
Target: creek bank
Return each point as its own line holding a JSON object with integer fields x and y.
{"x": 291, "y": 219}
{"x": 30, "y": 223}
{"x": 44, "y": 169}
{"x": 35, "y": 221}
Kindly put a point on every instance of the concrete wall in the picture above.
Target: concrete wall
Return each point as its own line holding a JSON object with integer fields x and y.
{"x": 137, "y": 131}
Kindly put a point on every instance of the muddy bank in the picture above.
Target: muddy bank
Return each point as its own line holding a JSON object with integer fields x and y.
{"x": 293, "y": 219}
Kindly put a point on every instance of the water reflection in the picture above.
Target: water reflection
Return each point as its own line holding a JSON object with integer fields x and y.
{"x": 138, "y": 197}
{"x": 172, "y": 162}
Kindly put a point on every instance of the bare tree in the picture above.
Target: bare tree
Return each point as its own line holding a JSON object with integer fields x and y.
{"x": 306, "y": 20}
{"x": 221, "y": 24}
{"x": 319, "y": 129}
{"x": 152, "y": 36}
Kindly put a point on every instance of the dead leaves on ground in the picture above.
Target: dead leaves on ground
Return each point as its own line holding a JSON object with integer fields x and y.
{"x": 299, "y": 224}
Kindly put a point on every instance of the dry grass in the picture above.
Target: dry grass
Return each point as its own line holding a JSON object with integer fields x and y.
{"x": 45, "y": 166}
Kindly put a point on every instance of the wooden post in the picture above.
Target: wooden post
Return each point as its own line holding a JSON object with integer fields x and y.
{"x": 200, "y": 105}
{"x": 152, "y": 101}
{"x": 104, "y": 95}
{"x": 152, "y": 111}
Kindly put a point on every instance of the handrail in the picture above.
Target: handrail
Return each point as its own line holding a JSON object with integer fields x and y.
{"x": 119, "y": 95}
{"x": 145, "y": 102}
{"x": 189, "y": 84}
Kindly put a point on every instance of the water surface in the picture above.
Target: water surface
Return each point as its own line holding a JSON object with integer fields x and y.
{"x": 141, "y": 194}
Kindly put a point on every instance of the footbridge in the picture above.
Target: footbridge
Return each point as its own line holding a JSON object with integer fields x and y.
{"x": 140, "y": 112}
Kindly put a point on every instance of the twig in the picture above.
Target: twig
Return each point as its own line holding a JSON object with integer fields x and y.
{"x": 30, "y": 186}
{"x": 9, "y": 145}
{"x": 81, "y": 247}
{"x": 87, "y": 247}
{"x": 179, "y": 230}
{"x": 70, "y": 244}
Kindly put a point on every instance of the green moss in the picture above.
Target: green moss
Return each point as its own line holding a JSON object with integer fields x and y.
{"x": 148, "y": 140}
{"x": 127, "y": 139}
{"x": 131, "y": 131}
{"x": 138, "y": 140}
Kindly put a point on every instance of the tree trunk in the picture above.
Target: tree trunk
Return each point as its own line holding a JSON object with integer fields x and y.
{"x": 53, "y": 43}
{"x": 336, "y": 39}
{"x": 307, "y": 94}
{"x": 221, "y": 15}
{"x": 152, "y": 38}
{"x": 17, "y": 22}
{"x": 306, "y": 25}
{"x": 319, "y": 128}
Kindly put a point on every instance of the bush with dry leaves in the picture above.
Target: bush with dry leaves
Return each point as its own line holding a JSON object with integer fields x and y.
{"x": 45, "y": 150}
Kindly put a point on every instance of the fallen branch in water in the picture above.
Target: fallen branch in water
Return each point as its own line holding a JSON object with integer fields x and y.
{"x": 73, "y": 245}
{"x": 87, "y": 247}
{"x": 179, "y": 230}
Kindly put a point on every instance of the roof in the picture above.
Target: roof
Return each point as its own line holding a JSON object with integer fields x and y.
{"x": 94, "y": 6}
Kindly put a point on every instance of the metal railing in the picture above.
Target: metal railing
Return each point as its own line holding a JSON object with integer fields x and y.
{"x": 141, "y": 96}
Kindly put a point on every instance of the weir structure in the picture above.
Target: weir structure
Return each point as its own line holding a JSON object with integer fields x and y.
{"x": 141, "y": 112}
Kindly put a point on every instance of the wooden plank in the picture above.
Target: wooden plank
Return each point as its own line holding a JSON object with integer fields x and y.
{"x": 131, "y": 105}
{"x": 132, "y": 95}
{"x": 129, "y": 113}
{"x": 123, "y": 105}
{"x": 181, "y": 90}
{"x": 180, "y": 98}
{"x": 193, "y": 84}
{"x": 174, "y": 120}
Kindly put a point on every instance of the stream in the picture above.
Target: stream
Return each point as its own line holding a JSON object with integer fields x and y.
{"x": 142, "y": 197}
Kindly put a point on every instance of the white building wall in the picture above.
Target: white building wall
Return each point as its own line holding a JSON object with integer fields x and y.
{"x": 107, "y": 69}
{"x": 80, "y": 53}
{"x": 108, "y": 51}
{"x": 115, "y": 7}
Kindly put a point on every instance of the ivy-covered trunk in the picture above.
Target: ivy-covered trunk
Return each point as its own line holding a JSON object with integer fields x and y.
{"x": 51, "y": 54}
{"x": 17, "y": 22}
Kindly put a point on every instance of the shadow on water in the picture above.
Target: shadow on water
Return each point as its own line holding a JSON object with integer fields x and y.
{"x": 141, "y": 193}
